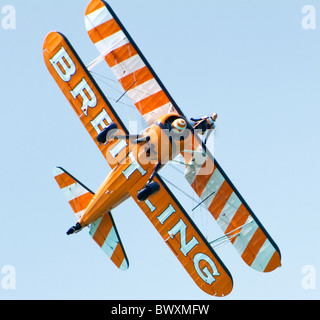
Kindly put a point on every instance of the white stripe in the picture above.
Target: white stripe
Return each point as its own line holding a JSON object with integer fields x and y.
{"x": 73, "y": 191}
{"x": 144, "y": 90}
{"x": 153, "y": 115}
{"x": 228, "y": 211}
{"x": 263, "y": 257}
{"x": 110, "y": 243}
{"x": 80, "y": 213}
{"x": 128, "y": 66}
{"x": 195, "y": 164}
{"x": 181, "y": 126}
{"x": 213, "y": 185}
{"x": 245, "y": 235}
{"x": 102, "y": 56}
{"x": 57, "y": 171}
{"x": 117, "y": 148}
{"x": 95, "y": 18}
{"x": 124, "y": 264}
{"x": 112, "y": 42}
{"x": 94, "y": 226}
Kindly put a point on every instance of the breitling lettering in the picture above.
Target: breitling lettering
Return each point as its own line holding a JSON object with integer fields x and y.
{"x": 83, "y": 89}
{"x": 186, "y": 247}
{"x": 205, "y": 274}
{"x": 66, "y": 68}
{"x": 182, "y": 228}
{"x": 63, "y": 64}
{"x": 156, "y": 150}
{"x": 101, "y": 121}
{"x": 134, "y": 165}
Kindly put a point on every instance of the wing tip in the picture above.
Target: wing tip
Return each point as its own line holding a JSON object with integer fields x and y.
{"x": 125, "y": 265}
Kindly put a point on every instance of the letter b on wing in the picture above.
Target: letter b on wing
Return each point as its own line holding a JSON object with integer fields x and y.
{"x": 63, "y": 64}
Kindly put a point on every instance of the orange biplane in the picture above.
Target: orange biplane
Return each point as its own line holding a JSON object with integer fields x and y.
{"x": 135, "y": 160}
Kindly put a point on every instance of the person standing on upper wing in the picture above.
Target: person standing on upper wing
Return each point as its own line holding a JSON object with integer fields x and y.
{"x": 205, "y": 123}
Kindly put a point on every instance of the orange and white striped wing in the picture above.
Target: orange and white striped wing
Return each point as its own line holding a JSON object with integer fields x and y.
{"x": 77, "y": 195}
{"x": 151, "y": 98}
{"x": 87, "y": 100}
{"x": 230, "y": 210}
{"x": 104, "y": 232}
{"x": 126, "y": 61}
{"x": 184, "y": 239}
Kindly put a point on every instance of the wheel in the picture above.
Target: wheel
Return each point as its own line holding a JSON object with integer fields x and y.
{"x": 147, "y": 191}
{"x": 74, "y": 229}
{"x": 107, "y": 133}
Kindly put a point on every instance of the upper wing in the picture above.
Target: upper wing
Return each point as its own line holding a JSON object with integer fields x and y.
{"x": 184, "y": 239}
{"x": 129, "y": 65}
{"x": 84, "y": 95}
{"x": 232, "y": 213}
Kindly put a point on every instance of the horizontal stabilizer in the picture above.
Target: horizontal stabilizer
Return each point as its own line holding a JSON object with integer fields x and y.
{"x": 76, "y": 193}
{"x": 105, "y": 234}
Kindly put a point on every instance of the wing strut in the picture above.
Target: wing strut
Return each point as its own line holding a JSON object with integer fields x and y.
{"x": 228, "y": 236}
{"x": 102, "y": 56}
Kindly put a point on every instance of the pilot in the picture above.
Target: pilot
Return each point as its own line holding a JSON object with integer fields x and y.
{"x": 178, "y": 129}
{"x": 178, "y": 125}
{"x": 205, "y": 123}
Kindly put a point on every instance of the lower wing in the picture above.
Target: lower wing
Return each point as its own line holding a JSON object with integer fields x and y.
{"x": 184, "y": 239}
{"x": 230, "y": 210}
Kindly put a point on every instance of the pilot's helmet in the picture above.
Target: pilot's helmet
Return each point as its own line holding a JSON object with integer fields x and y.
{"x": 214, "y": 116}
{"x": 178, "y": 125}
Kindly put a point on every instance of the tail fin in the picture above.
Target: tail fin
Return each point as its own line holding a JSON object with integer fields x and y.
{"x": 103, "y": 230}
{"x": 77, "y": 194}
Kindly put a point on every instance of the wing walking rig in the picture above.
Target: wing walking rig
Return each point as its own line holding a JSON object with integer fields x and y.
{"x": 136, "y": 159}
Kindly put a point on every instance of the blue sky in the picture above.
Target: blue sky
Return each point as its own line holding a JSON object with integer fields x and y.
{"x": 251, "y": 62}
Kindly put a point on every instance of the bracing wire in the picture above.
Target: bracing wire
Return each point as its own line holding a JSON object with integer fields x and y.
{"x": 172, "y": 184}
{"x": 103, "y": 79}
{"x": 109, "y": 79}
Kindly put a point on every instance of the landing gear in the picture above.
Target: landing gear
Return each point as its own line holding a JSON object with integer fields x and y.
{"x": 107, "y": 133}
{"x": 110, "y": 132}
{"x": 74, "y": 229}
{"x": 148, "y": 190}
{"x": 151, "y": 187}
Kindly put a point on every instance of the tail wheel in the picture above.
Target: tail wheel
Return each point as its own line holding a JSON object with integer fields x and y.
{"x": 147, "y": 191}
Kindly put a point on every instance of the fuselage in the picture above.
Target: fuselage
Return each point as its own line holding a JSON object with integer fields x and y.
{"x": 161, "y": 147}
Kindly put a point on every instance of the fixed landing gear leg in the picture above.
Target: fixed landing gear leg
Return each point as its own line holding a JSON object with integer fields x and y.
{"x": 151, "y": 187}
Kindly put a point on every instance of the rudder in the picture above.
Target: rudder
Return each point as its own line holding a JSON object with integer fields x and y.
{"x": 76, "y": 193}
